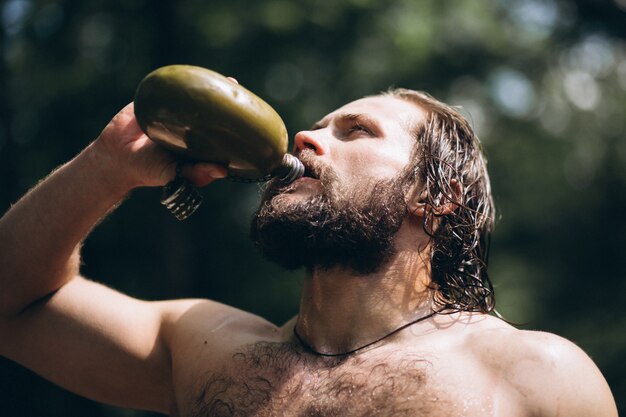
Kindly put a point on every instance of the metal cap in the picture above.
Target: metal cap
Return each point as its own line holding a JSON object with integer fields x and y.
{"x": 291, "y": 169}
{"x": 181, "y": 198}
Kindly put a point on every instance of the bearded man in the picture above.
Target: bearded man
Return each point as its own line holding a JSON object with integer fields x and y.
{"x": 391, "y": 222}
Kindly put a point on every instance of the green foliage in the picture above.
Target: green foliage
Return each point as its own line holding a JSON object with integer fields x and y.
{"x": 544, "y": 82}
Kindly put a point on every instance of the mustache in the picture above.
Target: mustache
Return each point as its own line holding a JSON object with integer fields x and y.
{"x": 313, "y": 168}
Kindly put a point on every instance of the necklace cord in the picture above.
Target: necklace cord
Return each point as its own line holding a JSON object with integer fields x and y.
{"x": 350, "y": 352}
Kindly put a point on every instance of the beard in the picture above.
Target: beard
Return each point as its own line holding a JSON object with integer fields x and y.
{"x": 338, "y": 227}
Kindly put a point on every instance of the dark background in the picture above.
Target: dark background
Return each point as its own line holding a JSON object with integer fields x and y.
{"x": 543, "y": 81}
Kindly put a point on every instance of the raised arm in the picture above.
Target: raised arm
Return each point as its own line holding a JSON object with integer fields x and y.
{"x": 79, "y": 334}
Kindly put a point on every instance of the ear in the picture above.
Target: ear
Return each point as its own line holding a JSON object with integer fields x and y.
{"x": 450, "y": 203}
{"x": 417, "y": 203}
{"x": 419, "y": 206}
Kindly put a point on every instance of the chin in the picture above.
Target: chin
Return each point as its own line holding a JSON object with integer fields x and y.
{"x": 306, "y": 226}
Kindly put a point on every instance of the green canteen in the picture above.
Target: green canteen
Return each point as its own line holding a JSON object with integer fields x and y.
{"x": 204, "y": 116}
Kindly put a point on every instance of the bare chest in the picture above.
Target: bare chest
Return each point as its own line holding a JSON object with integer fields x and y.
{"x": 280, "y": 379}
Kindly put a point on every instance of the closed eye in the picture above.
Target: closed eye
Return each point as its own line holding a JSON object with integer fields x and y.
{"x": 357, "y": 127}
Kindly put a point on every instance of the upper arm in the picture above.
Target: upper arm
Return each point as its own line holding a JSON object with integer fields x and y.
{"x": 550, "y": 376}
{"x": 98, "y": 343}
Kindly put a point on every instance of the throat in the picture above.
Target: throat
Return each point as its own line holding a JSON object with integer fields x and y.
{"x": 356, "y": 350}
{"x": 342, "y": 313}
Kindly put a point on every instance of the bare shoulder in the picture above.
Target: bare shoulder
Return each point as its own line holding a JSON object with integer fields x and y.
{"x": 202, "y": 336}
{"x": 210, "y": 332}
{"x": 186, "y": 321}
{"x": 545, "y": 371}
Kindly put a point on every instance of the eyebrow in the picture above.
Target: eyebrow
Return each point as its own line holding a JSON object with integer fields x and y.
{"x": 348, "y": 117}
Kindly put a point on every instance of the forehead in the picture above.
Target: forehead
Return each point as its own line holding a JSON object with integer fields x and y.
{"x": 384, "y": 109}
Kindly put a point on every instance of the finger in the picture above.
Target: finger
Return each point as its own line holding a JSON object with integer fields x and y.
{"x": 123, "y": 127}
{"x": 129, "y": 113}
{"x": 129, "y": 108}
{"x": 125, "y": 119}
{"x": 203, "y": 173}
{"x": 233, "y": 79}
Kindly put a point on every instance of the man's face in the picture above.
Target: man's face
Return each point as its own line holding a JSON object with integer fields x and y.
{"x": 347, "y": 208}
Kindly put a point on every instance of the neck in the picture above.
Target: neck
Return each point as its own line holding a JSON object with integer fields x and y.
{"x": 341, "y": 311}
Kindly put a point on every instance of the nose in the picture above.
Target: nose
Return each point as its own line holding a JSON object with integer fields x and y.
{"x": 308, "y": 139}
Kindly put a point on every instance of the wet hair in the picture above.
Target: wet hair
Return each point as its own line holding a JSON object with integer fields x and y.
{"x": 447, "y": 149}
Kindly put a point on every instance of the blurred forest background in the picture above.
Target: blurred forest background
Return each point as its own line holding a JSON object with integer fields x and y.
{"x": 543, "y": 81}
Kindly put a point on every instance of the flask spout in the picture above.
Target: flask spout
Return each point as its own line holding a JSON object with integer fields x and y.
{"x": 290, "y": 169}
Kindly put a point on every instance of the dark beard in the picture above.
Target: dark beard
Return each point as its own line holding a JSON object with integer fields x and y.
{"x": 353, "y": 230}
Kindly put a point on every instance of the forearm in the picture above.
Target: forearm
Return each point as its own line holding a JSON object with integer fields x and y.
{"x": 41, "y": 234}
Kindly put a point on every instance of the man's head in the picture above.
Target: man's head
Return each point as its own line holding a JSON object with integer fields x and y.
{"x": 370, "y": 165}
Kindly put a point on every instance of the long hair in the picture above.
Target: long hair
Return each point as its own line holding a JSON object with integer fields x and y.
{"x": 447, "y": 149}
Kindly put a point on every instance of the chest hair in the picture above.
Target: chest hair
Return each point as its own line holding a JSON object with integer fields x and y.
{"x": 281, "y": 379}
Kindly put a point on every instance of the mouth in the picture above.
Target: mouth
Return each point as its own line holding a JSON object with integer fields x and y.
{"x": 308, "y": 173}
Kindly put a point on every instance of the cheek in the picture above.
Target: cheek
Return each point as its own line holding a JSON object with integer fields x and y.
{"x": 375, "y": 164}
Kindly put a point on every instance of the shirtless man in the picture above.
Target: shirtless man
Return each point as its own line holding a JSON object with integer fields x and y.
{"x": 391, "y": 222}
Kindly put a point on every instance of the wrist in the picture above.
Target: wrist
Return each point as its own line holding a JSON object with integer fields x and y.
{"x": 108, "y": 172}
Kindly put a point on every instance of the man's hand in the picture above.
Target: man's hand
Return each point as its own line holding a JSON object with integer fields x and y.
{"x": 129, "y": 159}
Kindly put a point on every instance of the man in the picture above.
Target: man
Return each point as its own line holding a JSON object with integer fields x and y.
{"x": 391, "y": 221}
